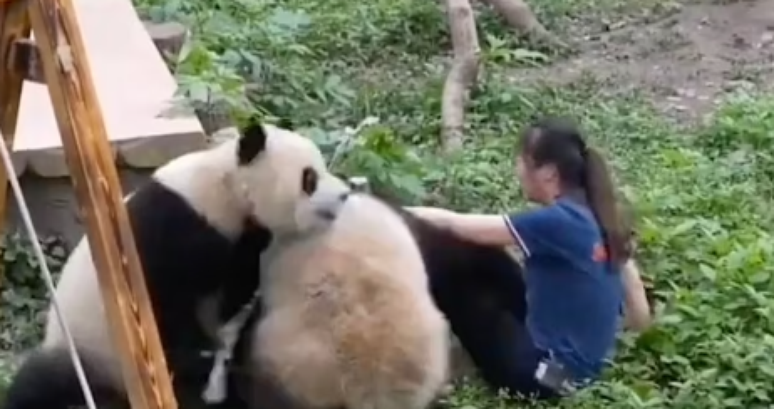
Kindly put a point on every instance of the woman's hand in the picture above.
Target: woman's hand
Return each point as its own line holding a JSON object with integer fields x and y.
{"x": 637, "y": 310}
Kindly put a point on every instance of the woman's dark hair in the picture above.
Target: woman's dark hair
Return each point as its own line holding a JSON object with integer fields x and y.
{"x": 558, "y": 142}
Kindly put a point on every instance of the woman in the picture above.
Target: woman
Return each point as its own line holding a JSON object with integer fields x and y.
{"x": 577, "y": 261}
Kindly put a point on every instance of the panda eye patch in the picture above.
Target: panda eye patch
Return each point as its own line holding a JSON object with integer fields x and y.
{"x": 309, "y": 179}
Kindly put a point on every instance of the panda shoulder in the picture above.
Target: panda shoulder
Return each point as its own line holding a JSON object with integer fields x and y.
{"x": 192, "y": 187}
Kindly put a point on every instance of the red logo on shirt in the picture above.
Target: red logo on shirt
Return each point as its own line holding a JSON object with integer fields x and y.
{"x": 599, "y": 253}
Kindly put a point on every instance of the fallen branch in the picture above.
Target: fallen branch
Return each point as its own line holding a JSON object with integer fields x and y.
{"x": 521, "y": 19}
{"x": 462, "y": 75}
{"x": 169, "y": 38}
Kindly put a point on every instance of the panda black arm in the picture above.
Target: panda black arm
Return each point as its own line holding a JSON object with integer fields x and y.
{"x": 243, "y": 275}
{"x": 463, "y": 271}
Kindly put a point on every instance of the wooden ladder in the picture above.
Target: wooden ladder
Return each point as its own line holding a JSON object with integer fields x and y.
{"x": 58, "y": 58}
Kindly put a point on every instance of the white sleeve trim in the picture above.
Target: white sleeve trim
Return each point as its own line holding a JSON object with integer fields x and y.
{"x": 516, "y": 236}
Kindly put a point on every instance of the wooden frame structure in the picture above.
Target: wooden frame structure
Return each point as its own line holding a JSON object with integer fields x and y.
{"x": 58, "y": 58}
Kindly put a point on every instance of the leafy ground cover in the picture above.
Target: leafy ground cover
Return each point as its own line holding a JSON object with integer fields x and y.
{"x": 674, "y": 92}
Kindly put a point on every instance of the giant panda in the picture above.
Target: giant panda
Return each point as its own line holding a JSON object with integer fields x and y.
{"x": 348, "y": 321}
{"x": 199, "y": 225}
{"x": 479, "y": 289}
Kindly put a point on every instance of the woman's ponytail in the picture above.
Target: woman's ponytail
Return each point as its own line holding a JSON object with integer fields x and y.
{"x": 602, "y": 200}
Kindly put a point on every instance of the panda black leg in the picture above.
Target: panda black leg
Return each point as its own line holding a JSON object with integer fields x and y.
{"x": 479, "y": 325}
{"x": 47, "y": 379}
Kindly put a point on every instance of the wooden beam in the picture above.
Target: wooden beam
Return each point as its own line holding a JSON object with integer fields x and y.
{"x": 95, "y": 179}
{"x": 14, "y": 24}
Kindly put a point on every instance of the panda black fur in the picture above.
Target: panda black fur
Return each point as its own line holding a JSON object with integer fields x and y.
{"x": 195, "y": 231}
{"x": 478, "y": 288}
{"x": 348, "y": 321}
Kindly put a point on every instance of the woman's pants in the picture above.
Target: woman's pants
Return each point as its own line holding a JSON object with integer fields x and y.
{"x": 501, "y": 348}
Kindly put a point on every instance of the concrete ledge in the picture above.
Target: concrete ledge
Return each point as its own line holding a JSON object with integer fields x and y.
{"x": 135, "y": 90}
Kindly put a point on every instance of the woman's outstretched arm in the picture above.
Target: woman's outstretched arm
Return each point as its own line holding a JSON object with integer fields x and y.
{"x": 485, "y": 229}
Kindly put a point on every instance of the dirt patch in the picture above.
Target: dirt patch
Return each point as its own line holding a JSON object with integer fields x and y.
{"x": 685, "y": 60}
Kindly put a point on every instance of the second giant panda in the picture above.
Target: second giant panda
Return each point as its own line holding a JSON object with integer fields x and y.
{"x": 199, "y": 225}
{"x": 348, "y": 321}
{"x": 479, "y": 289}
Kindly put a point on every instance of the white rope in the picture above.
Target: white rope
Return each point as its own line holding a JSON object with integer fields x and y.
{"x": 24, "y": 210}
{"x": 228, "y": 334}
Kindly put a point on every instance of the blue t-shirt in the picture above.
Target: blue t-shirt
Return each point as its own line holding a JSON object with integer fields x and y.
{"x": 574, "y": 295}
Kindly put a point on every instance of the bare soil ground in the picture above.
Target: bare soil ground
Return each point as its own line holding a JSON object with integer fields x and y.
{"x": 685, "y": 59}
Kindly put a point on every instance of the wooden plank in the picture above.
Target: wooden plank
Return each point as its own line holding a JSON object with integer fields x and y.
{"x": 14, "y": 24}
{"x": 84, "y": 138}
{"x": 135, "y": 90}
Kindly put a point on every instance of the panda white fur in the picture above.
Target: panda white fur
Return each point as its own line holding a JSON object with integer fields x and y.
{"x": 199, "y": 225}
{"x": 348, "y": 320}
{"x": 479, "y": 289}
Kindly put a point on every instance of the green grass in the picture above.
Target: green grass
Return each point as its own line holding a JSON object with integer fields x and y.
{"x": 702, "y": 194}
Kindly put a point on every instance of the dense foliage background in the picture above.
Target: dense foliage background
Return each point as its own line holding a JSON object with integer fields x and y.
{"x": 701, "y": 190}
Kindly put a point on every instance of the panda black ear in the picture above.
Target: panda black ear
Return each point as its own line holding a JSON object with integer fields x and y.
{"x": 251, "y": 142}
